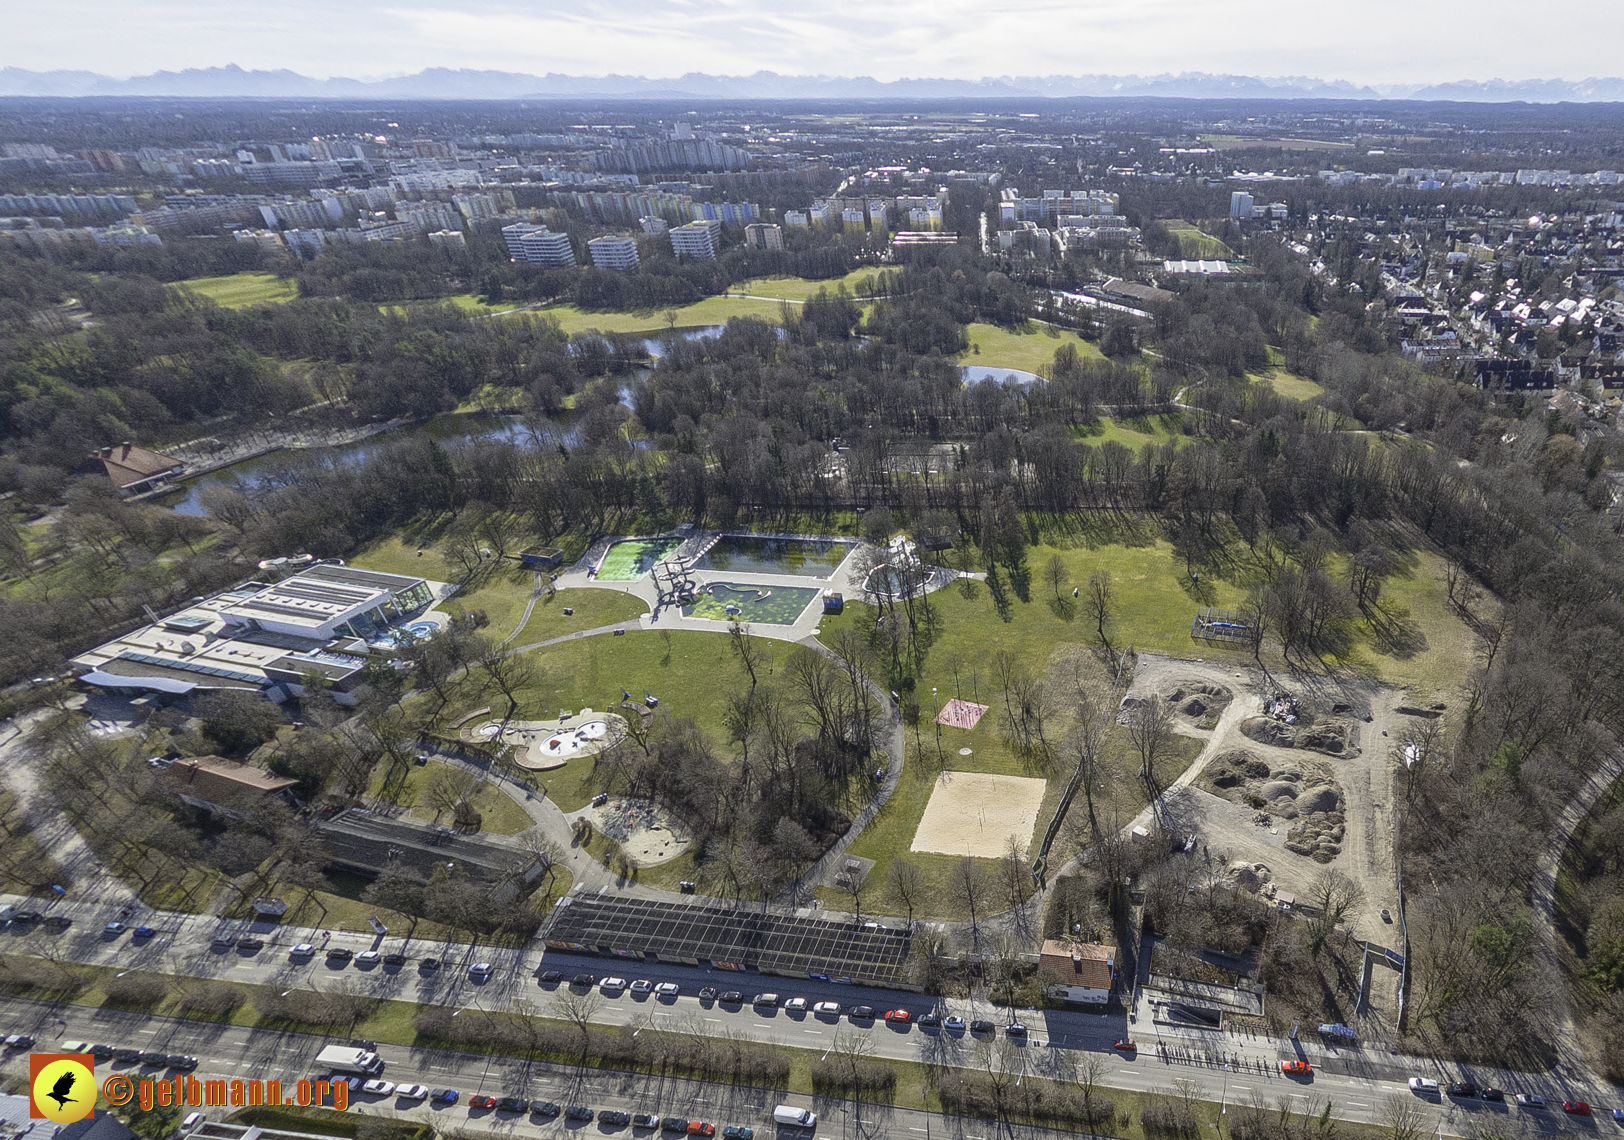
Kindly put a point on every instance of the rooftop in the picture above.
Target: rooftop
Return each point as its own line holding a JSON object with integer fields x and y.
{"x": 1068, "y": 963}
{"x": 127, "y": 465}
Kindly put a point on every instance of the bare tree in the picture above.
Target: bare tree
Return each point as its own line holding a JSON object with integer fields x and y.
{"x": 1150, "y": 727}
{"x": 579, "y": 1008}
{"x": 1334, "y": 896}
{"x": 1099, "y": 598}
{"x": 1012, "y": 873}
{"x": 1056, "y": 573}
{"x": 750, "y": 651}
{"x": 448, "y": 789}
{"x": 1402, "y": 1118}
{"x": 970, "y": 887}
{"x": 509, "y": 672}
{"x": 907, "y": 883}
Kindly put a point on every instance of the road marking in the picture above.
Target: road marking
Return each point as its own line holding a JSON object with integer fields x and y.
{"x": 1357, "y": 1104}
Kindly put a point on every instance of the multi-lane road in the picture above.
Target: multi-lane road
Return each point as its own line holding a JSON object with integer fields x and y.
{"x": 1223, "y": 1067}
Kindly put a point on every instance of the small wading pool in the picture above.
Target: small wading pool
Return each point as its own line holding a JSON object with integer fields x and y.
{"x": 803, "y": 557}
{"x": 418, "y": 629}
{"x": 737, "y": 601}
{"x": 629, "y": 560}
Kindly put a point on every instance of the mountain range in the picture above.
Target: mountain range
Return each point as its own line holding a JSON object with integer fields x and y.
{"x": 444, "y": 83}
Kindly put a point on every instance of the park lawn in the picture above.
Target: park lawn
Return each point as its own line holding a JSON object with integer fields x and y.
{"x": 1031, "y": 350}
{"x": 501, "y": 592}
{"x": 701, "y": 314}
{"x": 1193, "y": 243}
{"x": 594, "y": 606}
{"x": 1134, "y": 432}
{"x": 1434, "y": 661}
{"x": 241, "y": 290}
{"x": 402, "y": 556}
{"x": 800, "y": 288}
{"x": 502, "y": 816}
{"x": 1287, "y": 384}
{"x": 470, "y": 303}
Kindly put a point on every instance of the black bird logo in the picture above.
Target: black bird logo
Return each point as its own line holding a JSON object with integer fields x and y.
{"x": 59, "y": 1091}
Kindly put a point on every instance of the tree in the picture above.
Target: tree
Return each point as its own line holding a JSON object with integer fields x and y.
{"x": 750, "y": 651}
{"x": 579, "y": 1008}
{"x": 1056, "y": 574}
{"x": 508, "y": 672}
{"x": 1098, "y": 600}
{"x": 1333, "y": 896}
{"x": 448, "y": 788}
{"x": 907, "y": 883}
{"x": 1150, "y": 727}
{"x": 1402, "y": 1118}
{"x": 970, "y": 888}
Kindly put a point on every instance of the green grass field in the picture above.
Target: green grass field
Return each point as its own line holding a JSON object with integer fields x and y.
{"x": 1031, "y": 350}
{"x": 593, "y": 606}
{"x": 1195, "y": 244}
{"x": 1134, "y": 433}
{"x": 1287, "y": 384}
{"x": 240, "y": 290}
{"x": 799, "y": 288}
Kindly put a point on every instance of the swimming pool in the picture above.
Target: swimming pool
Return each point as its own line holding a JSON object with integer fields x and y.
{"x": 418, "y": 629}
{"x": 746, "y": 602}
{"x": 802, "y": 557}
{"x": 630, "y": 559}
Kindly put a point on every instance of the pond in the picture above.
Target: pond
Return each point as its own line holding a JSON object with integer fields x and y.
{"x": 762, "y": 605}
{"x": 802, "y": 557}
{"x": 975, "y": 373}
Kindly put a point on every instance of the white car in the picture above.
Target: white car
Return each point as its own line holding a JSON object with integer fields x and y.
{"x": 827, "y": 1008}
{"x": 668, "y": 989}
{"x": 378, "y": 1088}
{"x": 953, "y": 1024}
{"x": 642, "y": 986}
{"x": 1530, "y": 1100}
{"x": 480, "y": 970}
{"x": 368, "y": 958}
{"x": 1423, "y": 1085}
{"x": 795, "y": 1004}
{"x": 612, "y": 984}
{"x": 411, "y": 1092}
{"x": 303, "y": 950}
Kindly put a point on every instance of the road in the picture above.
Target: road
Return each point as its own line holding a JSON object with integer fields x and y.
{"x": 1359, "y": 1080}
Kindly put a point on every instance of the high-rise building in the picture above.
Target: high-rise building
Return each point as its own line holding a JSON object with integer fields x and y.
{"x": 448, "y": 238}
{"x": 613, "y": 252}
{"x": 764, "y": 236}
{"x": 543, "y": 247}
{"x": 653, "y": 226}
{"x": 1240, "y": 204}
{"x": 698, "y": 240}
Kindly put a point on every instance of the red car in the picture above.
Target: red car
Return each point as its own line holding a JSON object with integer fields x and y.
{"x": 1575, "y": 1108}
{"x": 477, "y": 1101}
{"x": 898, "y": 1016}
{"x": 1125, "y": 1046}
{"x": 1296, "y": 1068}
{"x": 701, "y": 1128}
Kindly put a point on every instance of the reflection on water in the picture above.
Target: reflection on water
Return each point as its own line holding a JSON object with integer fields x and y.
{"x": 974, "y": 373}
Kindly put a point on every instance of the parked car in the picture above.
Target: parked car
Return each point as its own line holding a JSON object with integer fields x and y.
{"x": 411, "y": 1092}
{"x": 251, "y": 944}
{"x": 545, "y": 1109}
{"x": 143, "y": 932}
{"x": 929, "y": 1021}
{"x": 707, "y": 993}
{"x": 123, "y": 1054}
{"x": 479, "y": 1100}
{"x": 19, "y": 1041}
{"x": 731, "y": 997}
{"x": 953, "y": 1023}
{"x": 303, "y": 950}
{"x": 368, "y": 958}
{"x": 674, "y": 1124}
{"x": 223, "y": 941}
{"x": 646, "y": 1120}
{"x": 1576, "y": 1107}
{"x": 1528, "y": 1100}
{"x": 827, "y": 1009}
{"x": 1461, "y": 1088}
{"x": 738, "y": 1132}
{"x": 861, "y": 1013}
{"x": 612, "y": 983}
{"x": 797, "y": 1004}
{"x": 701, "y": 1128}
{"x": 444, "y": 1096}
{"x": 614, "y": 1117}
{"x": 340, "y": 954}
{"x": 512, "y": 1104}
{"x": 378, "y": 1088}
{"x": 898, "y": 1016}
{"x": 550, "y": 977}
{"x": 1618, "y": 1115}
{"x": 428, "y": 965}
{"x": 765, "y": 999}
{"x": 394, "y": 959}
{"x": 1015, "y": 1029}
{"x": 1424, "y": 1085}
{"x": 668, "y": 989}
{"x": 979, "y": 1026}
{"x": 100, "y": 1052}
{"x": 1296, "y": 1068}
{"x": 1491, "y": 1094}
{"x": 640, "y": 986}
{"x": 151, "y": 1058}
{"x": 578, "y": 1112}
{"x": 113, "y": 929}
{"x": 481, "y": 970}
{"x": 181, "y": 1062}
{"x": 1123, "y": 1045}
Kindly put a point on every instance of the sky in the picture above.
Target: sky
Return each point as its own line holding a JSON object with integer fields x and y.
{"x": 1365, "y": 41}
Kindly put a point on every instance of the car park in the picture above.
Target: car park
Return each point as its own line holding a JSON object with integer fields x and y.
{"x": 378, "y": 1088}
{"x": 861, "y": 1013}
{"x": 1461, "y": 1089}
{"x": 738, "y": 1132}
{"x": 1576, "y": 1108}
{"x": 612, "y": 983}
{"x": 578, "y": 1112}
{"x": 731, "y": 997}
{"x": 646, "y": 1120}
{"x": 640, "y": 986}
{"x": 898, "y": 1016}
{"x": 512, "y": 1104}
{"x": 1297, "y": 1068}
{"x": 668, "y": 989}
{"x": 614, "y": 1117}
{"x": 979, "y": 1026}
{"x": 480, "y": 1100}
{"x": 411, "y": 1092}
{"x": 481, "y": 970}
{"x": 701, "y": 1128}
{"x": 550, "y": 977}
{"x": 1530, "y": 1100}
{"x": 1426, "y": 1086}
{"x": 444, "y": 1096}
{"x": 1015, "y": 1029}
{"x": 113, "y": 929}
{"x": 546, "y": 1109}
{"x": 953, "y": 1023}
{"x": 796, "y": 1004}
{"x": 368, "y": 958}
{"x": 827, "y": 1009}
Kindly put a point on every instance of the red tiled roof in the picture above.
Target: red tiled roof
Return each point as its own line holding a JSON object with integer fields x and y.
{"x": 127, "y": 464}
{"x": 1086, "y": 964}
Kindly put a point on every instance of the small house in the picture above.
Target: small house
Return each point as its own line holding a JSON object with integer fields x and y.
{"x": 541, "y": 558}
{"x": 1081, "y": 972}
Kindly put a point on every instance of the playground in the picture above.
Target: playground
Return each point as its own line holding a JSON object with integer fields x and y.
{"x": 541, "y": 746}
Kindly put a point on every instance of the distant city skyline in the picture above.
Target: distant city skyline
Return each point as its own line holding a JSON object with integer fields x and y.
{"x": 1374, "y": 42}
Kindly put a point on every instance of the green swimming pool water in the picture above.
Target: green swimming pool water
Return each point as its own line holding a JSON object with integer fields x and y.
{"x": 781, "y": 606}
{"x": 629, "y": 560}
{"x": 751, "y": 554}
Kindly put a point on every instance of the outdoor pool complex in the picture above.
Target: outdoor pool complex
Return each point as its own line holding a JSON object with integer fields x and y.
{"x": 629, "y": 560}
{"x": 803, "y": 557}
{"x": 762, "y": 605}
{"x": 419, "y": 629}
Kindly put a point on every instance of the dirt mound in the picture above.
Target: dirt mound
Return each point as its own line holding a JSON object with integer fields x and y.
{"x": 1199, "y": 700}
{"x": 1235, "y": 768}
{"x": 1330, "y": 738}
{"x": 1318, "y": 836}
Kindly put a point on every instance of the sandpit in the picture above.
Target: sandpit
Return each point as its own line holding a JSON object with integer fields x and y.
{"x": 975, "y": 813}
